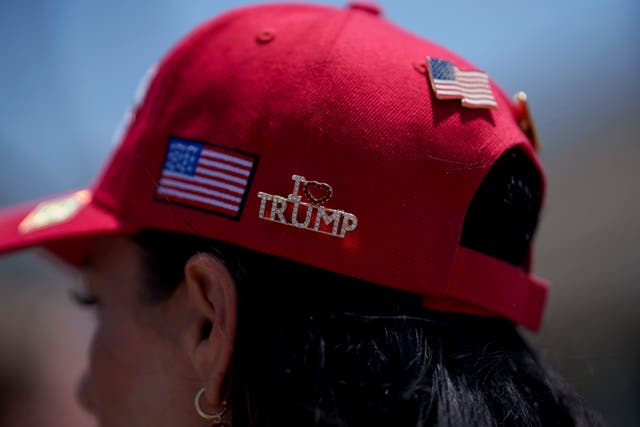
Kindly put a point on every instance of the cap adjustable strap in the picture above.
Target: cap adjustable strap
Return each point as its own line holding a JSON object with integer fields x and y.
{"x": 481, "y": 284}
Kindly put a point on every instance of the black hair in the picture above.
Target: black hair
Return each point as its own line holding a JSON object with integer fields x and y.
{"x": 314, "y": 348}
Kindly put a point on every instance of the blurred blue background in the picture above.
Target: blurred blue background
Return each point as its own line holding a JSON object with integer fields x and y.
{"x": 70, "y": 68}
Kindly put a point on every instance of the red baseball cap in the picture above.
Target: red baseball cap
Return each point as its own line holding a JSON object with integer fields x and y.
{"x": 325, "y": 136}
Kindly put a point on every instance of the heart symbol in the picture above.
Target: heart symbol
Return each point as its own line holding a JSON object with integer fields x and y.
{"x": 317, "y": 192}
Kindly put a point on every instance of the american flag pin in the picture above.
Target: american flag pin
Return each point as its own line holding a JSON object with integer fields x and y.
{"x": 525, "y": 120}
{"x": 206, "y": 177}
{"x": 449, "y": 82}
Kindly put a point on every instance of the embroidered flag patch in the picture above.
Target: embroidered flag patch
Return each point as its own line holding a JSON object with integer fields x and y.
{"x": 449, "y": 82}
{"x": 206, "y": 176}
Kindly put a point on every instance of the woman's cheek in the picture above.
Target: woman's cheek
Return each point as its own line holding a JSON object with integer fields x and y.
{"x": 108, "y": 386}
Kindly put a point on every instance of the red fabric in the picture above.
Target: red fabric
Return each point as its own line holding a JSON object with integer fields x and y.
{"x": 332, "y": 95}
{"x": 90, "y": 220}
{"x": 484, "y": 285}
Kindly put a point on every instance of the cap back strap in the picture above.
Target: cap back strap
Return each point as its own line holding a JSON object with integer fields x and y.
{"x": 481, "y": 284}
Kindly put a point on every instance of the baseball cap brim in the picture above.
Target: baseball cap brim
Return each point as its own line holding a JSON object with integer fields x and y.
{"x": 65, "y": 224}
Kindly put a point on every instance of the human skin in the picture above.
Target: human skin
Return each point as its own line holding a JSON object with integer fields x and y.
{"x": 148, "y": 359}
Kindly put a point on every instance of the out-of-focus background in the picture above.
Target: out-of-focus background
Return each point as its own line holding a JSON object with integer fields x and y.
{"x": 68, "y": 72}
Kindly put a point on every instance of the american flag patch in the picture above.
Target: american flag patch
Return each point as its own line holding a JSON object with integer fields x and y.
{"x": 206, "y": 176}
{"x": 449, "y": 82}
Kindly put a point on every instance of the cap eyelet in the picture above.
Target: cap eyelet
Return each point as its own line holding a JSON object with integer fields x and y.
{"x": 370, "y": 7}
{"x": 266, "y": 36}
{"x": 420, "y": 67}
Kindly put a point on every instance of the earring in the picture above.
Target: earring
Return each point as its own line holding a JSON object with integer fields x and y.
{"x": 217, "y": 417}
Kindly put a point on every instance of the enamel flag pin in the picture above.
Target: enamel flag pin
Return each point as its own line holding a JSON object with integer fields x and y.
{"x": 449, "y": 82}
{"x": 315, "y": 217}
{"x": 525, "y": 120}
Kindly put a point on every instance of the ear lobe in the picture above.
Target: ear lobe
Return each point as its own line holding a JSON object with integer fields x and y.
{"x": 211, "y": 335}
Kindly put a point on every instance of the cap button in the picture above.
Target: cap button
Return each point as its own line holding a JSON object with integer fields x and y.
{"x": 365, "y": 6}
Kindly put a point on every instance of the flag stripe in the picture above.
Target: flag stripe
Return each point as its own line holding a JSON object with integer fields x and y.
{"x": 225, "y": 174}
{"x": 479, "y": 102}
{"x": 466, "y": 79}
{"x": 205, "y": 186}
{"x": 472, "y": 90}
{"x": 462, "y": 84}
{"x": 465, "y": 95}
{"x": 199, "y": 189}
{"x": 211, "y": 182}
{"x": 193, "y": 197}
{"x": 216, "y": 174}
{"x": 224, "y": 166}
{"x": 478, "y": 74}
{"x": 217, "y": 155}
{"x": 470, "y": 79}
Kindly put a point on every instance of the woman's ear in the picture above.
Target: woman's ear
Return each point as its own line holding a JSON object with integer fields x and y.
{"x": 210, "y": 336}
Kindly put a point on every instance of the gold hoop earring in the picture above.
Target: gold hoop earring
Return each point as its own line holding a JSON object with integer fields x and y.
{"x": 217, "y": 417}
